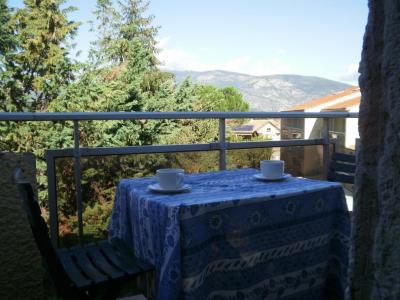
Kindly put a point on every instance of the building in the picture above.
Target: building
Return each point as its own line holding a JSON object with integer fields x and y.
{"x": 344, "y": 130}
{"x": 269, "y": 129}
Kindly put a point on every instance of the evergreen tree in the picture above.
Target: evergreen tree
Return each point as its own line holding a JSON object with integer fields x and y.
{"x": 185, "y": 96}
{"x": 7, "y": 41}
{"x": 118, "y": 26}
{"x": 233, "y": 100}
{"x": 120, "y": 76}
{"x": 7, "y": 45}
{"x": 123, "y": 61}
{"x": 39, "y": 68}
{"x": 137, "y": 25}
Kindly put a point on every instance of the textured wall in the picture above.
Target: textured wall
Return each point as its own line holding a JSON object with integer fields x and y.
{"x": 375, "y": 265}
{"x": 21, "y": 274}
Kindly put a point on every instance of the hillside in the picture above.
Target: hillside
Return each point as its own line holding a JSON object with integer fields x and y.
{"x": 267, "y": 93}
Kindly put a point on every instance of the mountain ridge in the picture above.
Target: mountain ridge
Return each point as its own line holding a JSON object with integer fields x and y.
{"x": 267, "y": 92}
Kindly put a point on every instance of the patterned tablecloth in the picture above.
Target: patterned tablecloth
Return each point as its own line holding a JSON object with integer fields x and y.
{"x": 233, "y": 237}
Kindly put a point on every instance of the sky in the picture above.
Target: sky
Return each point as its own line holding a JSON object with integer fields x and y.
{"x": 258, "y": 37}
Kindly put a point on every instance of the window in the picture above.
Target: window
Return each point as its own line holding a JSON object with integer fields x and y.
{"x": 296, "y": 135}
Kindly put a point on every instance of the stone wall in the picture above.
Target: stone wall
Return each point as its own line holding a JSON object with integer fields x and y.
{"x": 375, "y": 256}
{"x": 21, "y": 273}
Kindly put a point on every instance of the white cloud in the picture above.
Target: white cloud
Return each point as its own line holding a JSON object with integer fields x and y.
{"x": 281, "y": 51}
{"x": 162, "y": 42}
{"x": 179, "y": 59}
{"x": 351, "y": 75}
{"x": 274, "y": 65}
{"x": 353, "y": 68}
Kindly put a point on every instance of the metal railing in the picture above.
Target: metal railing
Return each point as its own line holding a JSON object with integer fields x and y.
{"x": 222, "y": 145}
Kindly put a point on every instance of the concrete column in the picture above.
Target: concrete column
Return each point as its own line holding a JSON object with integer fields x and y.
{"x": 375, "y": 256}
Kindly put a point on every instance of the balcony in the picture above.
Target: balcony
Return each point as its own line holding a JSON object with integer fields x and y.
{"x": 303, "y": 157}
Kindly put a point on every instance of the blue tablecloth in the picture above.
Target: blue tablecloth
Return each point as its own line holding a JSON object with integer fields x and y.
{"x": 233, "y": 237}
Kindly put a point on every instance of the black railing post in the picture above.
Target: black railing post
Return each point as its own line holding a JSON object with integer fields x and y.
{"x": 78, "y": 184}
{"x": 222, "y": 144}
{"x": 52, "y": 198}
{"x": 326, "y": 141}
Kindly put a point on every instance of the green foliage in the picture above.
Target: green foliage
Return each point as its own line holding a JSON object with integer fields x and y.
{"x": 7, "y": 39}
{"x": 211, "y": 98}
{"x": 96, "y": 218}
{"x": 185, "y": 96}
{"x": 39, "y": 67}
{"x": 208, "y": 98}
{"x": 119, "y": 24}
{"x": 7, "y": 46}
{"x": 233, "y": 100}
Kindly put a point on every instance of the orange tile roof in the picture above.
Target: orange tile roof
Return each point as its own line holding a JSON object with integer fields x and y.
{"x": 319, "y": 101}
{"x": 345, "y": 104}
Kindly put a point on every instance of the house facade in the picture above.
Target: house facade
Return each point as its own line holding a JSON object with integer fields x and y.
{"x": 270, "y": 129}
{"x": 308, "y": 160}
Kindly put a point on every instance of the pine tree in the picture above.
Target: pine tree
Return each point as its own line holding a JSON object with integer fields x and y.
{"x": 7, "y": 45}
{"x": 233, "y": 100}
{"x": 139, "y": 26}
{"x": 118, "y": 27}
{"x": 38, "y": 68}
{"x": 7, "y": 41}
{"x": 184, "y": 95}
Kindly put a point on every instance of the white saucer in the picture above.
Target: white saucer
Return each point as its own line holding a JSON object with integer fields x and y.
{"x": 261, "y": 177}
{"x": 158, "y": 189}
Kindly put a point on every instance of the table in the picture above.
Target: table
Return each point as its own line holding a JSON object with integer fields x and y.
{"x": 233, "y": 237}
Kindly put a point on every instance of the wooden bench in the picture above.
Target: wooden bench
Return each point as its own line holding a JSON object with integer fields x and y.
{"x": 342, "y": 168}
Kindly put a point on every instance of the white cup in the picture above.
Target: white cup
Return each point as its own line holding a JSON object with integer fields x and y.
{"x": 170, "y": 179}
{"x": 272, "y": 169}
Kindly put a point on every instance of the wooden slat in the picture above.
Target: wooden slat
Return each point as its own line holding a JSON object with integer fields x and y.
{"x": 101, "y": 262}
{"x": 340, "y": 177}
{"x": 342, "y": 167}
{"x": 137, "y": 297}
{"x": 86, "y": 265}
{"x": 344, "y": 157}
{"x": 127, "y": 253}
{"x": 72, "y": 270}
{"x": 117, "y": 260}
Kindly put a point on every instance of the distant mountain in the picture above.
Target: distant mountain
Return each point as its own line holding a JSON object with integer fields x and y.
{"x": 268, "y": 93}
